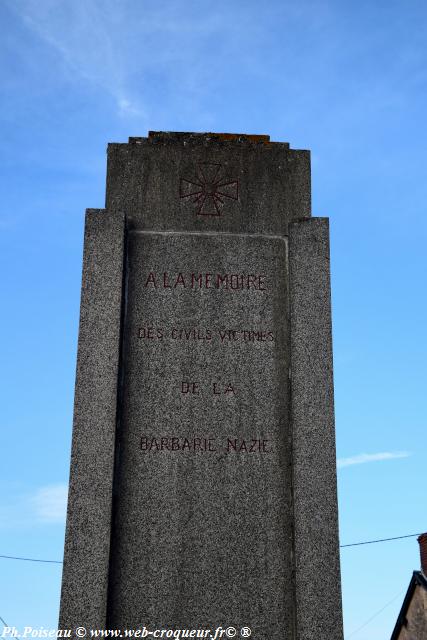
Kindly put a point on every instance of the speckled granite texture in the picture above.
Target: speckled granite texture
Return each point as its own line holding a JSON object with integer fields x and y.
{"x": 203, "y": 538}
{"x": 149, "y": 179}
{"x": 87, "y": 545}
{"x": 317, "y": 570}
{"x": 203, "y": 443}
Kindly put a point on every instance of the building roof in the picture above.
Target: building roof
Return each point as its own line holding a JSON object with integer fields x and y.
{"x": 418, "y": 579}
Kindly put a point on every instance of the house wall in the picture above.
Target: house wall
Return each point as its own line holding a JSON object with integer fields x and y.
{"x": 416, "y": 629}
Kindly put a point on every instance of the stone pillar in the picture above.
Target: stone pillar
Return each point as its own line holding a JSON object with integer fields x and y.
{"x": 87, "y": 548}
{"x": 203, "y": 488}
{"x": 317, "y": 568}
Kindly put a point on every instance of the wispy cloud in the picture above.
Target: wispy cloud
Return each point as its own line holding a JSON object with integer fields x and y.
{"x": 363, "y": 458}
{"x": 89, "y": 38}
{"x": 190, "y": 61}
{"x": 50, "y": 503}
{"x": 46, "y": 505}
{"x": 148, "y": 56}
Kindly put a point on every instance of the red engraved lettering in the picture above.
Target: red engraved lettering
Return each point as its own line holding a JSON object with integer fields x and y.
{"x": 180, "y": 280}
{"x": 190, "y": 387}
{"x": 151, "y": 280}
{"x": 222, "y": 280}
{"x": 196, "y": 280}
{"x": 164, "y": 443}
{"x": 254, "y": 445}
{"x": 252, "y": 281}
{"x": 154, "y": 444}
{"x": 231, "y": 444}
{"x": 234, "y": 281}
{"x": 166, "y": 284}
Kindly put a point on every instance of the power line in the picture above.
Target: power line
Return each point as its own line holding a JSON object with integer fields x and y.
{"x": 365, "y": 624}
{"x": 342, "y": 546}
{"x": 5, "y": 623}
{"x": 357, "y": 544}
{"x": 32, "y": 559}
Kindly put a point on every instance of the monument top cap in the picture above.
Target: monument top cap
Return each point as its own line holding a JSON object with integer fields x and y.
{"x": 184, "y": 137}
{"x": 208, "y": 182}
{"x": 236, "y": 137}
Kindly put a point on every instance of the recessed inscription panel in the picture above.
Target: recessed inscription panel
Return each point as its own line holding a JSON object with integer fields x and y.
{"x": 202, "y": 518}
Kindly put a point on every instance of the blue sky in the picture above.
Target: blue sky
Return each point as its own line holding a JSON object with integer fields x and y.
{"x": 347, "y": 80}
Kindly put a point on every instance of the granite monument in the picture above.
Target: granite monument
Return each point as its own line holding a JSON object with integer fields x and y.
{"x": 203, "y": 473}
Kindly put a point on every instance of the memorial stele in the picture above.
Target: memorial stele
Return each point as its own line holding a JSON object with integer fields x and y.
{"x": 203, "y": 469}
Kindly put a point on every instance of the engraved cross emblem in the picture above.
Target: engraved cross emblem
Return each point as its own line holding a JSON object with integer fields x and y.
{"x": 209, "y": 189}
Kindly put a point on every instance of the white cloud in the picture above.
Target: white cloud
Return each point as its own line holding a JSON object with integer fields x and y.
{"x": 89, "y": 38}
{"x": 362, "y": 458}
{"x": 50, "y": 503}
{"x": 43, "y": 506}
{"x": 128, "y": 108}
{"x": 147, "y": 55}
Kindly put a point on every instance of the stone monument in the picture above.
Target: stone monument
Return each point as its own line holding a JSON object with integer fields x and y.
{"x": 203, "y": 473}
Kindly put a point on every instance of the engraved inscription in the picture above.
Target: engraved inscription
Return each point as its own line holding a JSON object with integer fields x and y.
{"x": 203, "y": 334}
{"x": 203, "y": 455}
{"x": 227, "y": 281}
{"x": 216, "y": 388}
{"x": 209, "y": 189}
{"x": 154, "y": 444}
